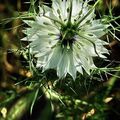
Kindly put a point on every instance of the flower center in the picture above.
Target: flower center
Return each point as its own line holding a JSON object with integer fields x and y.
{"x": 67, "y": 35}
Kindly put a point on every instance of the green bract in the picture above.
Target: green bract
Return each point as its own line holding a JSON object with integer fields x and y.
{"x": 66, "y": 37}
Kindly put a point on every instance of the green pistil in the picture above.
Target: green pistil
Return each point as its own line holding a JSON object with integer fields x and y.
{"x": 67, "y": 35}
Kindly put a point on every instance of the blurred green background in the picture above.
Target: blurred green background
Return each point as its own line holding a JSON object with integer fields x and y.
{"x": 25, "y": 96}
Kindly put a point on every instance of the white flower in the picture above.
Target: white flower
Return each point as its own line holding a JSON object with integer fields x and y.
{"x": 66, "y": 37}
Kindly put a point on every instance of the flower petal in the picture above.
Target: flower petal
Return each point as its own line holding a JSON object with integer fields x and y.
{"x": 63, "y": 64}
{"x": 54, "y": 59}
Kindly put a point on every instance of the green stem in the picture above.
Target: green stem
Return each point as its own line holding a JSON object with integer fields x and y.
{"x": 111, "y": 83}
